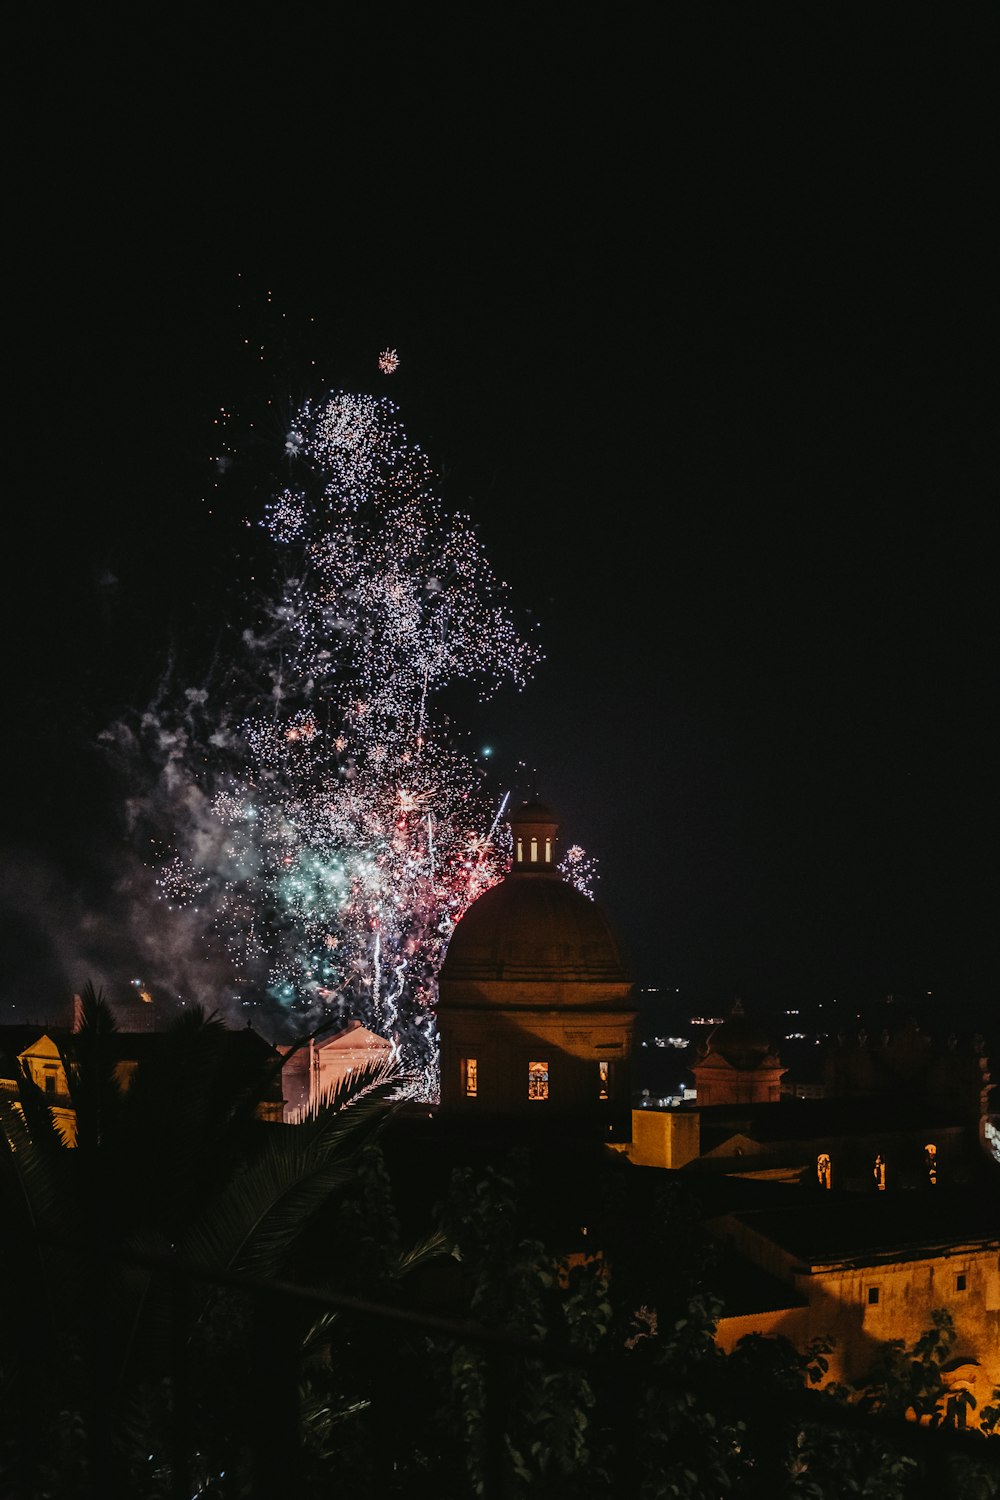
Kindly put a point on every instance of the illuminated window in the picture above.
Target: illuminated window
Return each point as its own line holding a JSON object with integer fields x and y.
{"x": 50, "y": 1083}
{"x": 538, "y": 1080}
{"x": 603, "y": 1076}
{"x": 878, "y": 1172}
{"x": 823, "y": 1169}
{"x": 533, "y": 851}
{"x": 471, "y": 1069}
{"x": 930, "y": 1162}
{"x": 872, "y": 1296}
{"x": 960, "y": 1282}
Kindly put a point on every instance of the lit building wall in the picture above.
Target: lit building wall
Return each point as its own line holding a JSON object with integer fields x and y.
{"x": 664, "y": 1138}
{"x": 863, "y": 1303}
{"x": 528, "y": 1063}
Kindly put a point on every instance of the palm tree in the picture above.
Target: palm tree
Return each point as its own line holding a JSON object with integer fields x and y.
{"x": 125, "y": 1258}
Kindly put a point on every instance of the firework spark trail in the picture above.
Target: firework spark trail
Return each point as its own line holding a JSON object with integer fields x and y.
{"x": 321, "y": 821}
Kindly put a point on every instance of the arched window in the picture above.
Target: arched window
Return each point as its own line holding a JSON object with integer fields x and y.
{"x": 823, "y": 1169}
{"x": 930, "y": 1162}
{"x": 470, "y": 1071}
{"x": 878, "y": 1172}
{"x": 534, "y": 851}
{"x": 538, "y": 1080}
{"x": 604, "y": 1079}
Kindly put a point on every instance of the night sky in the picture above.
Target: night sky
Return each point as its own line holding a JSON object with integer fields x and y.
{"x": 697, "y": 319}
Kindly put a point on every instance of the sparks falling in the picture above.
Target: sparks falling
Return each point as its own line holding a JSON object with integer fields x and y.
{"x": 323, "y": 823}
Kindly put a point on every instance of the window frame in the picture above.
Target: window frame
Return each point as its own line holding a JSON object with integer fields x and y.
{"x": 538, "y": 1080}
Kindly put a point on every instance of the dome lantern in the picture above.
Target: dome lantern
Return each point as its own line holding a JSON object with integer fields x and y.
{"x": 533, "y": 834}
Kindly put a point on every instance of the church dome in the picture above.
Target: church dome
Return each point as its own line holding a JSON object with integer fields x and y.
{"x": 535, "y": 1000}
{"x": 739, "y": 1040}
{"x": 533, "y": 930}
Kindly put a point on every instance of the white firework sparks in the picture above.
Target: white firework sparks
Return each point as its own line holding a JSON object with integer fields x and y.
{"x": 335, "y": 836}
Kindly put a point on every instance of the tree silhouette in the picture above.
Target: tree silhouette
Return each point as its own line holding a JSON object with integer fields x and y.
{"x": 122, "y": 1254}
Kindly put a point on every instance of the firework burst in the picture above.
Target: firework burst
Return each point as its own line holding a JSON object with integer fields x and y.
{"x": 321, "y": 819}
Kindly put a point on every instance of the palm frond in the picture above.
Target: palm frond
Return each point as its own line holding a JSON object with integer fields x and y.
{"x": 315, "y": 1337}
{"x": 276, "y": 1192}
{"x": 91, "y": 1073}
{"x": 174, "y": 1142}
{"x": 46, "y": 1132}
{"x": 433, "y": 1246}
{"x": 382, "y": 1074}
{"x": 41, "y": 1216}
{"x": 30, "y": 1166}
